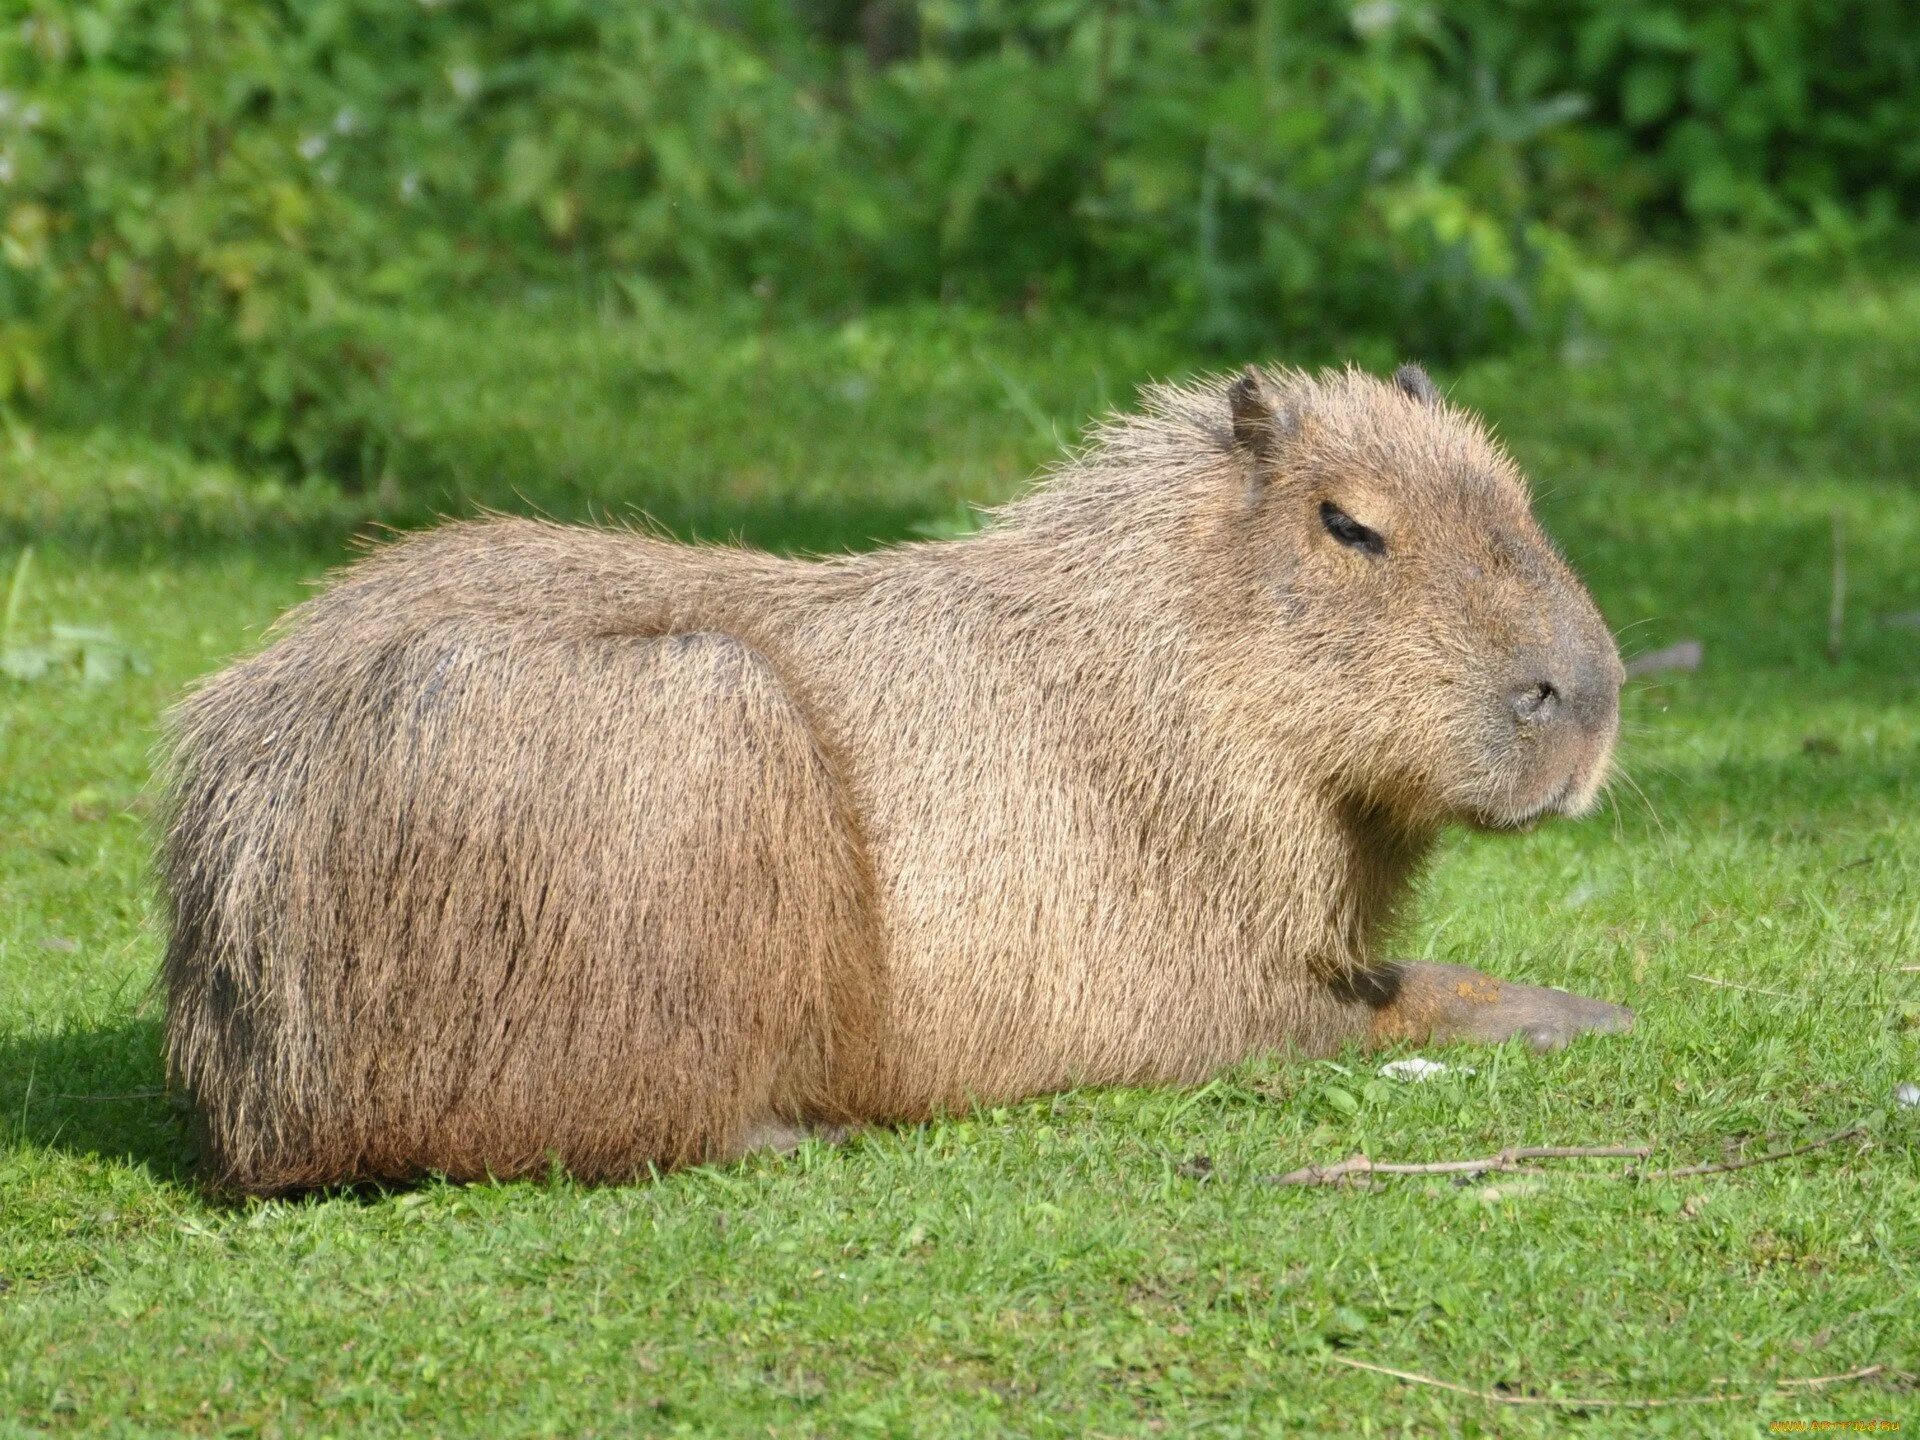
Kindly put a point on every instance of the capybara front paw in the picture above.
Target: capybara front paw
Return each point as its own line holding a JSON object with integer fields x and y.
{"x": 1451, "y": 1003}
{"x": 1568, "y": 1015}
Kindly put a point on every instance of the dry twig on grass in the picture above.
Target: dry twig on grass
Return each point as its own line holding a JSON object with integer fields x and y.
{"x": 1781, "y": 994}
{"x": 1508, "y": 1161}
{"x": 1359, "y": 1169}
{"x": 1750, "y": 989}
{"x": 1720, "y": 1167}
{"x": 1601, "y": 1402}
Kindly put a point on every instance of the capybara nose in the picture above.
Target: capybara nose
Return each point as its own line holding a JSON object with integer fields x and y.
{"x": 1593, "y": 693}
{"x": 1534, "y": 703}
{"x": 1586, "y": 692}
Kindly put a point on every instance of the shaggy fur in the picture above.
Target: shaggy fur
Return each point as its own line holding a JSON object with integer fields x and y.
{"x": 526, "y": 843}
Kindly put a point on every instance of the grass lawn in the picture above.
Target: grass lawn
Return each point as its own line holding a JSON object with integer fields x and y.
{"x": 1060, "y": 1267}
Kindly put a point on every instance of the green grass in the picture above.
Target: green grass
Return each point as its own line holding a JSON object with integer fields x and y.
{"x": 1053, "y": 1268}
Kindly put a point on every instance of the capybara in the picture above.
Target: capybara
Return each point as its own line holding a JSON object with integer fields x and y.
{"x": 529, "y": 845}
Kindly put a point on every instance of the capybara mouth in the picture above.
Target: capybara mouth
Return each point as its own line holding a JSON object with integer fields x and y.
{"x": 1571, "y": 798}
{"x": 1522, "y": 820}
{"x": 1554, "y": 804}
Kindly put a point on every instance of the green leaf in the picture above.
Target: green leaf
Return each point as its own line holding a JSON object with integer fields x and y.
{"x": 1340, "y": 1099}
{"x": 1649, "y": 93}
{"x": 1347, "y": 1321}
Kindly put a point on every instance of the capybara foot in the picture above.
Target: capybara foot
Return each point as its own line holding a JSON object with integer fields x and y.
{"x": 1449, "y": 1003}
{"x": 782, "y": 1136}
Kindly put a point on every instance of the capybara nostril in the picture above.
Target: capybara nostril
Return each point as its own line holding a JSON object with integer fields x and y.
{"x": 1534, "y": 704}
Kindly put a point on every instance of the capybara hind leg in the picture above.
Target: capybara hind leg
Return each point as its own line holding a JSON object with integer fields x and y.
{"x": 1451, "y": 1003}
{"x": 503, "y": 902}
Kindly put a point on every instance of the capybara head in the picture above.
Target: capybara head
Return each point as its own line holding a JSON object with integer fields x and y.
{"x": 1440, "y": 656}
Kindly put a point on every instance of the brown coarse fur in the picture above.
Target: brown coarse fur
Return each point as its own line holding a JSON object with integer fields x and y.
{"x": 527, "y": 845}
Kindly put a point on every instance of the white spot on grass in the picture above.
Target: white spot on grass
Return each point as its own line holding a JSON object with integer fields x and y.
{"x": 1580, "y": 894}
{"x": 1416, "y": 1069}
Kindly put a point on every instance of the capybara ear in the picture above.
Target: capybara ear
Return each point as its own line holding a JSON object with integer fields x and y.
{"x": 1416, "y": 382}
{"x": 1259, "y": 425}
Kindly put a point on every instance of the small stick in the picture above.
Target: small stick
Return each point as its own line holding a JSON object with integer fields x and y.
{"x": 1508, "y": 1160}
{"x": 1751, "y": 989}
{"x": 1359, "y": 1169}
{"x": 1568, "y": 1402}
{"x": 1721, "y": 1167}
{"x": 16, "y": 592}
{"x": 1814, "y": 1382}
{"x": 1837, "y": 607}
{"x": 1781, "y": 994}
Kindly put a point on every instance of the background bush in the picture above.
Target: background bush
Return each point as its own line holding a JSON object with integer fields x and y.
{"x": 201, "y": 195}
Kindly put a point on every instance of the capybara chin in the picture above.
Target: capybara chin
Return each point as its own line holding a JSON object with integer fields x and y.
{"x": 528, "y": 845}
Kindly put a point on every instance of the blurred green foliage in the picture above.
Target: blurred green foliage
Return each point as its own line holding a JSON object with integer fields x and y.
{"x": 202, "y": 196}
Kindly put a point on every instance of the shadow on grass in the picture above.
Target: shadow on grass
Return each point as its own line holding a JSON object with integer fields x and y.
{"x": 95, "y": 1093}
{"x": 1833, "y": 804}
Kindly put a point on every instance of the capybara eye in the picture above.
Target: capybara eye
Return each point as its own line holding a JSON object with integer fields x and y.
{"x": 1349, "y": 531}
